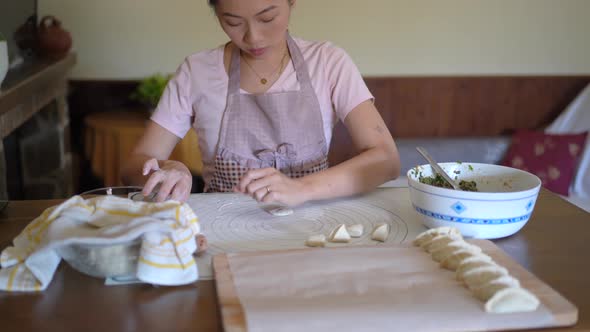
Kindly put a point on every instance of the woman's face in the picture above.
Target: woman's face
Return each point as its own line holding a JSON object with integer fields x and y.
{"x": 257, "y": 27}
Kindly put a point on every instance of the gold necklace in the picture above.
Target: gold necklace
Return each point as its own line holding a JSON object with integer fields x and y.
{"x": 263, "y": 80}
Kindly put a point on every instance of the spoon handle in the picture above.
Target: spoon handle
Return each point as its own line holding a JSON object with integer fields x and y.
{"x": 437, "y": 168}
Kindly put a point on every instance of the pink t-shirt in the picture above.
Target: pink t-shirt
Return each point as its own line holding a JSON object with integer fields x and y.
{"x": 196, "y": 96}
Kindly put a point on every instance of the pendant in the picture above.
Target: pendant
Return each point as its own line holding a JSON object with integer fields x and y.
{"x": 263, "y": 81}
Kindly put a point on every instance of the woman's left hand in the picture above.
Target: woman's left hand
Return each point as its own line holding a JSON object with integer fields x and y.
{"x": 270, "y": 185}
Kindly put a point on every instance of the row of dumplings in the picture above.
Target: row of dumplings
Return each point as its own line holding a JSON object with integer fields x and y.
{"x": 343, "y": 234}
{"x": 488, "y": 281}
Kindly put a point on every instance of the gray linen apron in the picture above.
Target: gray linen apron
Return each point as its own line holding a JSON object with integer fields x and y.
{"x": 282, "y": 130}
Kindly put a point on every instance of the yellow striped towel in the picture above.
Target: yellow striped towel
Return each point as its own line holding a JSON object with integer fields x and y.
{"x": 167, "y": 232}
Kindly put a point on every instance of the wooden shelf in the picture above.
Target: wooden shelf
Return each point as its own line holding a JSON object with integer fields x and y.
{"x": 27, "y": 90}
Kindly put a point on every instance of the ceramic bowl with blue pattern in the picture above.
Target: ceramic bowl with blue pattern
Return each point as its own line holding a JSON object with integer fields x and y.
{"x": 502, "y": 205}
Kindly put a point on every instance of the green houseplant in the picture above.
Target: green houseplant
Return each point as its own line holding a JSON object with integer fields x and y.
{"x": 150, "y": 89}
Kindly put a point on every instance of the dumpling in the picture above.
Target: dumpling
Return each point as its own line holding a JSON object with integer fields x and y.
{"x": 441, "y": 254}
{"x": 429, "y": 234}
{"x": 471, "y": 263}
{"x": 339, "y": 234}
{"x": 485, "y": 292}
{"x": 513, "y": 299}
{"x": 439, "y": 242}
{"x": 452, "y": 261}
{"x": 482, "y": 275}
{"x": 380, "y": 233}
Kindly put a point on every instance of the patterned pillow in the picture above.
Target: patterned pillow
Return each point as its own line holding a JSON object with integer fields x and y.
{"x": 553, "y": 158}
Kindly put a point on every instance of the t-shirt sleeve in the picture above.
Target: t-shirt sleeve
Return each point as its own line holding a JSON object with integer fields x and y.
{"x": 348, "y": 89}
{"x": 174, "y": 110}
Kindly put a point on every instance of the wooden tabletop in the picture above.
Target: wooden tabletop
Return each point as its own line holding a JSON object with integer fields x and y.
{"x": 553, "y": 246}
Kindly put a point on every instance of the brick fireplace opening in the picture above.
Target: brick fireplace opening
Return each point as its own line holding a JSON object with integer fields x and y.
{"x": 37, "y": 161}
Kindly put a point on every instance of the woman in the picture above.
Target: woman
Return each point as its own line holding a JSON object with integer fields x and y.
{"x": 263, "y": 106}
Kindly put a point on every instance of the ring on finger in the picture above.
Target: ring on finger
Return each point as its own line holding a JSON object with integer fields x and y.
{"x": 267, "y": 190}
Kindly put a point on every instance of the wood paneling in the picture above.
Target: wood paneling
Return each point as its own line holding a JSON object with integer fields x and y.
{"x": 410, "y": 106}
{"x": 467, "y": 106}
{"x": 464, "y": 106}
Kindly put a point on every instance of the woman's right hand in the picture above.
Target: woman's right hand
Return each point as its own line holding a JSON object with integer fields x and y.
{"x": 174, "y": 178}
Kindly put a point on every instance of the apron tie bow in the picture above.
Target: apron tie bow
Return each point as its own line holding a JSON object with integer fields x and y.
{"x": 284, "y": 153}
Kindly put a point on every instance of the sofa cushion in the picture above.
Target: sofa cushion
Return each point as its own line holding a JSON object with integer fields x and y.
{"x": 553, "y": 158}
{"x": 479, "y": 149}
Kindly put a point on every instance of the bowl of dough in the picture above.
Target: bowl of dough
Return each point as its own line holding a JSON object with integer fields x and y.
{"x": 494, "y": 201}
{"x": 104, "y": 261}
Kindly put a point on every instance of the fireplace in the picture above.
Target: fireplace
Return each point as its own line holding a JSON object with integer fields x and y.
{"x": 37, "y": 160}
{"x": 35, "y": 157}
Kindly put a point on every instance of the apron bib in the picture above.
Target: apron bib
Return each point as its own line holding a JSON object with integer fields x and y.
{"x": 281, "y": 130}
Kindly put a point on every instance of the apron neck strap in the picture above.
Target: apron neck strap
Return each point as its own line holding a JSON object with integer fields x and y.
{"x": 298, "y": 63}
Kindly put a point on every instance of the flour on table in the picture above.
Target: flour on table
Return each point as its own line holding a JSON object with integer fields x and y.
{"x": 234, "y": 222}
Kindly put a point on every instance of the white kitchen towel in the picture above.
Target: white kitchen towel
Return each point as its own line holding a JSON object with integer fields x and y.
{"x": 573, "y": 120}
{"x": 167, "y": 232}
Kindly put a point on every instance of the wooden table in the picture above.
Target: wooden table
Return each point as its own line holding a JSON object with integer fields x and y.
{"x": 553, "y": 245}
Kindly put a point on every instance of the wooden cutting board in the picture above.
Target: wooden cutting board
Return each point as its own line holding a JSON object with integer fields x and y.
{"x": 562, "y": 312}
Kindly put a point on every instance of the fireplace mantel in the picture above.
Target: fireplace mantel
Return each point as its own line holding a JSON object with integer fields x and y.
{"x": 26, "y": 91}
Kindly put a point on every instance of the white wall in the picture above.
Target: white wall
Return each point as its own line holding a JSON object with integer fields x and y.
{"x": 128, "y": 39}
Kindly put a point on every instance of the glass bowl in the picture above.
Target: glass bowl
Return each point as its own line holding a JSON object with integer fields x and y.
{"x": 131, "y": 192}
{"x": 104, "y": 261}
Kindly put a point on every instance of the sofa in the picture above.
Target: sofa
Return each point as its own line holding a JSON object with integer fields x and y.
{"x": 573, "y": 120}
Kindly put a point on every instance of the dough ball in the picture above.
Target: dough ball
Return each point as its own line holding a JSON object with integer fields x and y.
{"x": 318, "y": 240}
{"x": 355, "y": 230}
{"x": 280, "y": 211}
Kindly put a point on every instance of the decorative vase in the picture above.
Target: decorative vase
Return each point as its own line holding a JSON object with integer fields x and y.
{"x": 54, "y": 41}
{"x": 3, "y": 60}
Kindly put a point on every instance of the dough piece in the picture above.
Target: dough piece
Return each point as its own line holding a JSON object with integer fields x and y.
{"x": 339, "y": 234}
{"x": 482, "y": 275}
{"x": 488, "y": 290}
{"x": 280, "y": 211}
{"x": 513, "y": 299}
{"x": 452, "y": 261}
{"x": 355, "y": 230}
{"x": 429, "y": 234}
{"x": 439, "y": 242}
{"x": 380, "y": 233}
{"x": 318, "y": 240}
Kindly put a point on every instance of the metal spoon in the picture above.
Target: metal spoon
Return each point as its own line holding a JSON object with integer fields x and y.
{"x": 437, "y": 168}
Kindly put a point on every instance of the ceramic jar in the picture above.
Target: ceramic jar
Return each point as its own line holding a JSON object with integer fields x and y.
{"x": 54, "y": 41}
